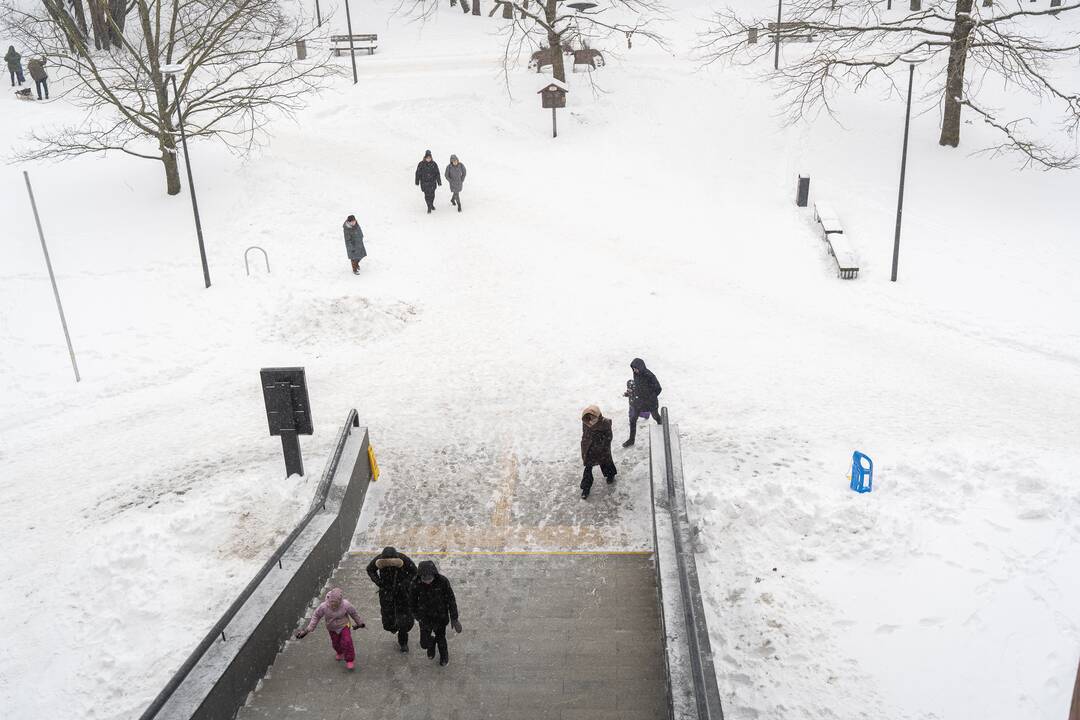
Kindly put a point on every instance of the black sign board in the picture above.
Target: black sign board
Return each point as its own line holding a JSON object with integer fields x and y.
{"x": 286, "y": 396}
{"x": 287, "y": 411}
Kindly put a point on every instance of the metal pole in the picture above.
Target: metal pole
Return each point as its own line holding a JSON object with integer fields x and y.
{"x": 352, "y": 50}
{"x": 554, "y": 127}
{"x": 903, "y": 172}
{"x": 52, "y": 278}
{"x": 318, "y": 13}
{"x": 776, "y": 57}
{"x": 191, "y": 186}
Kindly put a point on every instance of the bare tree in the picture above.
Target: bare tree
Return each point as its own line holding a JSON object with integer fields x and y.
{"x": 1022, "y": 47}
{"x": 239, "y": 68}
{"x": 534, "y": 23}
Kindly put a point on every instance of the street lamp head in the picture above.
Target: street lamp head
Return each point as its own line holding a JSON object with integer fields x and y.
{"x": 173, "y": 69}
{"x": 582, "y": 6}
{"x": 915, "y": 58}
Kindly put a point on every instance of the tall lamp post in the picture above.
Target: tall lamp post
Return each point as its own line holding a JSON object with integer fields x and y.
{"x": 352, "y": 49}
{"x": 779, "y": 15}
{"x": 912, "y": 61}
{"x": 172, "y": 71}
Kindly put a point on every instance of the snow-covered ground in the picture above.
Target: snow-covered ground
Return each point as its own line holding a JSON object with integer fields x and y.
{"x": 660, "y": 223}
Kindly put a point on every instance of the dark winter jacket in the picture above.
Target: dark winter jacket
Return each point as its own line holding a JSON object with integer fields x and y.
{"x": 434, "y": 603}
{"x": 455, "y": 175}
{"x": 595, "y": 439}
{"x": 13, "y": 60}
{"x": 427, "y": 175}
{"x": 393, "y": 573}
{"x": 37, "y": 69}
{"x": 646, "y": 386}
{"x": 354, "y": 242}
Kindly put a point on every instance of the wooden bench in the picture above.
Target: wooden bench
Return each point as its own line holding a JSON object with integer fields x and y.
{"x": 832, "y": 232}
{"x": 339, "y": 44}
{"x": 791, "y": 31}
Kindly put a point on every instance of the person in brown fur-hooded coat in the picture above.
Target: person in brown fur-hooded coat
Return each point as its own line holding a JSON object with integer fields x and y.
{"x": 393, "y": 572}
{"x": 595, "y": 447}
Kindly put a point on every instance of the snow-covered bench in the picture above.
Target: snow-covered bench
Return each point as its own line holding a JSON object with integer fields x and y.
{"x": 847, "y": 266}
{"x": 832, "y": 232}
{"x": 339, "y": 44}
{"x": 829, "y": 220}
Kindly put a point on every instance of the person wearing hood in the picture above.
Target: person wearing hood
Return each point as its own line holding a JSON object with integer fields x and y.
{"x": 393, "y": 572}
{"x": 595, "y": 448}
{"x": 455, "y": 175}
{"x": 432, "y": 600}
{"x": 41, "y": 78}
{"x": 644, "y": 391}
{"x": 336, "y": 611}
{"x": 354, "y": 243}
{"x": 427, "y": 179}
{"x": 14, "y": 65}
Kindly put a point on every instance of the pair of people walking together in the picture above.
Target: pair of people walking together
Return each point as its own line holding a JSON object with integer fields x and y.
{"x": 643, "y": 392}
{"x": 428, "y": 179}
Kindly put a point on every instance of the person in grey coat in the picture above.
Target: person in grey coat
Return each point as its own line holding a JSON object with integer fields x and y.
{"x": 354, "y": 243}
{"x": 14, "y": 65}
{"x": 40, "y": 77}
{"x": 455, "y": 175}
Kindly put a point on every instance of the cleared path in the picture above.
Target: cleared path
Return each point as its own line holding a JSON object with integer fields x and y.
{"x": 547, "y": 636}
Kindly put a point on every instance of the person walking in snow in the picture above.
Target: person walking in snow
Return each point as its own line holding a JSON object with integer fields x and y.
{"x": 336, "y": 611}
{"x": 643, "y": 391}
{"x": 393, "y": 573}
{"x": 432, "y": 600}
{"x": 455, "y": 175}
{"x": 354, "y": 243}
{"x": 14, "y": 65}
{"x": 427, "y": 179}
{"x": 595, "y": 448}
{"x": 39, "y": 76}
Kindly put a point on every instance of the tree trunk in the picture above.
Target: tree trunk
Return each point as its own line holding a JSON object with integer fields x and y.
{"x": 954, "y": 81}
{"x": 100, "y": 24}
{"x": 465, "y": 6}
{"x": 117, "y": 16}
{"x": 508, "y": 11}
{"x": 558, "y": 70}
{"x": 475, "y": 7}
{"x": 80, "y": 17}
{"x": 172, "y": 172}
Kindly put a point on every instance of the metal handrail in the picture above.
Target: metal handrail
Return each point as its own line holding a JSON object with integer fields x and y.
{"x": 352, "y": 420}
{"x": 706, "y": 692}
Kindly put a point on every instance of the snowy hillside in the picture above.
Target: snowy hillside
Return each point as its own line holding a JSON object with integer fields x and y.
{"x": 661, "y": 224}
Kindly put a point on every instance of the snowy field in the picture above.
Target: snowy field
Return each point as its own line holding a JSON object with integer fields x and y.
{"x": 659, "y": 224}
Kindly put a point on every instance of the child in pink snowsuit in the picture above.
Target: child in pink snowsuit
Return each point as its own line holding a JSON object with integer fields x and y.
{"x": 336, "y": 611}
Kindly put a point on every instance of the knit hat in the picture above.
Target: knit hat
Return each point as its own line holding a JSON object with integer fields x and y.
{"x": 453, "y": 158}
{"x": 335, "y": 595}
{"x": 427, "y": 153}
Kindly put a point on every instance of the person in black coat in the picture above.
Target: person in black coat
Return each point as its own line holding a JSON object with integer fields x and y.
{"x": 428, "y": 178}
{"x": 432, "y": 601}
{"x": 595, "y": 448}
{"x": 393, "y": 573}
{"x": 644, "y": 396}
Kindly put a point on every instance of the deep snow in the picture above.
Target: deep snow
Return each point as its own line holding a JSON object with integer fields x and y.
{"x": 660, "y": 223}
